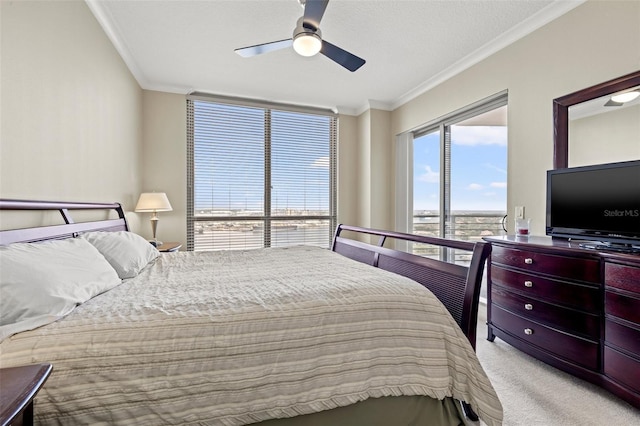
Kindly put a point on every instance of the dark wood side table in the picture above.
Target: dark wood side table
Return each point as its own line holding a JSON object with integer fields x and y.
{"x": 18, "y": 388}
{"x": 167, "y": 247}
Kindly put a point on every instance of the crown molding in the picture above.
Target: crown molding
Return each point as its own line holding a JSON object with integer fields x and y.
{"x": 541, "y": 18}
{"x": 103, "y": 18}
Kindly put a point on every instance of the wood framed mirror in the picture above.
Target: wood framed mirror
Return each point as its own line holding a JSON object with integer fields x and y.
{"x": 561, "y": 112}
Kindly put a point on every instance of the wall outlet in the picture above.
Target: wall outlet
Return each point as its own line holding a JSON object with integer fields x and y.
{"x": 519, "y": 212}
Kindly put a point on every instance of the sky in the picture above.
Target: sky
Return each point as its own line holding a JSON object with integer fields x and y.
{"x": 478, "y": 169}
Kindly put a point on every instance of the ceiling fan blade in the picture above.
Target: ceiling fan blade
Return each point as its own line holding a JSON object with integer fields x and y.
{"x": 258, "y": 49}
{"x": 341, "y": 56}
{"x": 313, "y": 11}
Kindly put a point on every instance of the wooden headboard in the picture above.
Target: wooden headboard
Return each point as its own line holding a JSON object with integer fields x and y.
{"x": 457, "y": 286}
{"x": 67, "y": 230}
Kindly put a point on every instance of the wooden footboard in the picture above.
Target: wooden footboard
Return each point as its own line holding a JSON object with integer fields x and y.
{"x": 457, "y": 286}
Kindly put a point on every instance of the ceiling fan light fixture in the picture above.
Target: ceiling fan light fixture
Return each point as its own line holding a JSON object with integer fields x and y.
{"x": 307, "y": 44}
{"x": 306, "y": 39}
{"x": 625, "y": 97}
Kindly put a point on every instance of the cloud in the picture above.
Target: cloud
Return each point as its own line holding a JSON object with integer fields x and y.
{"x": 496, "y": 168}
{"x": 429, "y": 176}
{"x": 479, "y": 135}
{"x": 475, "y": 187}
{"x": 498, "y": 184}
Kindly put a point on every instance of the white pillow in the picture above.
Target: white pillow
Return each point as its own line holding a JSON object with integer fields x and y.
{"x": 128, "y": 253}
{"x": 42, "y": 282}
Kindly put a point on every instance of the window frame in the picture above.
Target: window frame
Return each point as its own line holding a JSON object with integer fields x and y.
{"x": 267, "y": 218}
{"x": 405, "y": 158}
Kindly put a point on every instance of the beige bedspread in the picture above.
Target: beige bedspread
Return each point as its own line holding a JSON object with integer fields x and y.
{"x": 242, "y": 336}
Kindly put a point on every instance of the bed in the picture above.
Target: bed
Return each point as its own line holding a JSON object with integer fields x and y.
{"x": 363, "y": 333}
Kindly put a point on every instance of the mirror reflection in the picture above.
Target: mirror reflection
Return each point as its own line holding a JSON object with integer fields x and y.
{"x": 605, "y": 129}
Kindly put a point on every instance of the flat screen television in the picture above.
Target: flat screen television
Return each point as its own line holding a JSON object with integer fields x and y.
{"x": 598, "y": 205}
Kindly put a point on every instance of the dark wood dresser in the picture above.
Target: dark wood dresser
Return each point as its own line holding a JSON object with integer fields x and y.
{"x": 573, "y": 308}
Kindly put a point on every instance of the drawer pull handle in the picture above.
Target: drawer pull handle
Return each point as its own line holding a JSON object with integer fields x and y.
{"x": 528, "y": 261}
{"x": 528, "y": 283}
{"x": 528, "y": 306}
{"x": 528, "y": 331}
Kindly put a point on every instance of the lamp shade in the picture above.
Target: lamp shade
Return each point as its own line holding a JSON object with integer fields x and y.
{"x": 153, "y": 202}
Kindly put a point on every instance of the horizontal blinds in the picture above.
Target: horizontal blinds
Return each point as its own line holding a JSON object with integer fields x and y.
{"x": 261, "y": 177}
{"x": 299, "y": 164}
{"x": 228, "y": 160}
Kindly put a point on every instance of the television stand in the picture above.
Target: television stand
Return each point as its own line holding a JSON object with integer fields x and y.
{"x": 602, "y": 246}
{"x": 574, "y": 308}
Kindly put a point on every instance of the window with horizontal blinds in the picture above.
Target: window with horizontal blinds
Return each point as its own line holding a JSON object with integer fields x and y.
{"x": 259, "y": 176}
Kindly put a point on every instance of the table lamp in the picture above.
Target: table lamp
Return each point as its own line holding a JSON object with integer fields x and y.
{"x": 154, "y": 202}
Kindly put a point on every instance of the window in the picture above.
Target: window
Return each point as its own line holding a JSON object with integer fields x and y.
{"x": 457, "y": 187}
{"x": 259, "y": 175}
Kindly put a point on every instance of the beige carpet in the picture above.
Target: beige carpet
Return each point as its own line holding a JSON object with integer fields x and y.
{"x": 533, "y": 393}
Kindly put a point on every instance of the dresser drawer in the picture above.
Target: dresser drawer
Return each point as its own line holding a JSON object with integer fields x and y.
{"x": 622, "y": 368}
{"x": 622, "y": 305}
{"x": 575, "y": 349}
{"x": 569, "y": 320}
{"x": 574, "y": 268}
{"x": 621, "y": 335}
{"x": 622, "y": 276}
{"x": 577, "y": 296}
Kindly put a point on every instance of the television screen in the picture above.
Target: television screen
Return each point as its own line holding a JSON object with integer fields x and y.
{"x": 600, "y": 202}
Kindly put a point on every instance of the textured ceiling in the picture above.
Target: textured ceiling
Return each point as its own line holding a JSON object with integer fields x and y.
{"x": 410, "y": 46}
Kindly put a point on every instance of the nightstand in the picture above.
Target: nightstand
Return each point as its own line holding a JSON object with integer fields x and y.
{"x": 18, "y": 388}
{"x": 167, "y": 247}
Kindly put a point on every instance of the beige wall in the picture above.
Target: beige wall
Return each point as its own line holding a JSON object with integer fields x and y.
{"x": 347, "y": 169}
{"x": 380, "y": 165}
{"x": 614, "y": 135}
{"x": 71, "y": 112}
{"x": 363, "y": 159}
{"x": 373, "y": 199}
{"x": 594, "y": 42}
{"x": 164, "y": 147}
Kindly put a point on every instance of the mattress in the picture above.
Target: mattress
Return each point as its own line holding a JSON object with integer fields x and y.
{"x": 239, "y": 337}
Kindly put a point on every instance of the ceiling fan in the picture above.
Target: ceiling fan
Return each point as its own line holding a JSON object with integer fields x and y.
{"x": 307, "y": 39}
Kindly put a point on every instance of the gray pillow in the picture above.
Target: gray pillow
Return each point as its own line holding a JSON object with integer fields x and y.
{"x": 128, "y": 253}
{"x": 42, "y": 282}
